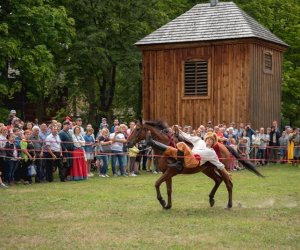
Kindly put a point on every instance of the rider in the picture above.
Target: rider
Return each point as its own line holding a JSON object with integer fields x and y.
{"x": 187, "y": 157}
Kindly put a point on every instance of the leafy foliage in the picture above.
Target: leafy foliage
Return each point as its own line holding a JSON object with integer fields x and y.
{"x": 78, "y": 56}
{"x": 283, "y": 19}
{"x": 33, "y": 35}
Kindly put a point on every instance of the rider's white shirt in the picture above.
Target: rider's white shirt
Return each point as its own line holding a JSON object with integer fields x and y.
{"x": 207, "y": 154}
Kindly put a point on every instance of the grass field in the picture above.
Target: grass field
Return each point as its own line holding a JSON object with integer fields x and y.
{"x": 123, "y": 213}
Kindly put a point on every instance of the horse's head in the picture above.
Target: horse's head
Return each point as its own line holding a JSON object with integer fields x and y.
{"x": 137, "y": 135}
{"x": 157, "y": 129}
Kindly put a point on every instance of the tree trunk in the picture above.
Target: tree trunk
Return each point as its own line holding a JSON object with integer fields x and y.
{"x": 107, "y": 89}
{"x": 92, "y": 112}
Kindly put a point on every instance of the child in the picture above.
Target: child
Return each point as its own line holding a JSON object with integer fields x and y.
{"x": 244, "y": 146}
{"x": 102, "y": 151}
{"x": 132, "y": 163}
{"x": 233, "y": 162}
{"x": 89, "y": 149}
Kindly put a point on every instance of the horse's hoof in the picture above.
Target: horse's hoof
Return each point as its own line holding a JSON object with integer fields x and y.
{"x": 163, "y": 203}
{"x": 229, "y": 206}
{"x": 167, "y": 207}
{"x": 212, "y": 202}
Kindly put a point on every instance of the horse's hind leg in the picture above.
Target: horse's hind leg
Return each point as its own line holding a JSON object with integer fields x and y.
{"x": 218, "y": 180}
{"x": 229, "y": 186}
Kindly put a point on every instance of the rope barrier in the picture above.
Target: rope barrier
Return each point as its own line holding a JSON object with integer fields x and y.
{"x": 126, "y": 153}
{"x": 99, "y": 153}
{"x": 90, "y": 144}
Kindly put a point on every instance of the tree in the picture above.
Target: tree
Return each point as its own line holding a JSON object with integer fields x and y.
{"x": 104, "y": 63}
{"x": 33, "y": 36}
{"x": 81, "y": 53}
{"x": 283, "y": 19}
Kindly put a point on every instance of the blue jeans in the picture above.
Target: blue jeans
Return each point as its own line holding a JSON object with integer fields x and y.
{"x": 11, "y": 167}
{"x": 40, "y": 172}
{"x": 117, "y": 155}
{"x": 104, "y": 158}
{"x": 261, "y": 154}
{"x": 283, "y": 152}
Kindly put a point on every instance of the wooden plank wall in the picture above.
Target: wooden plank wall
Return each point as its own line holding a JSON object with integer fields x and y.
{"x": 229, "y": 80}
{"x": 265, "y": 96}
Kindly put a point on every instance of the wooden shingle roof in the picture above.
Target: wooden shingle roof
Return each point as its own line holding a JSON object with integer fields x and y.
{"x": 205, "y": 23}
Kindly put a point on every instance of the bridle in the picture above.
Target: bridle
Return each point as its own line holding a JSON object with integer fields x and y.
{"x": 138, "y": 131}
{"x": 140, "y": 128}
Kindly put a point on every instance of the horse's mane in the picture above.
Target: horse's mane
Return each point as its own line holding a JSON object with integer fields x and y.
{"x": 162, "y": 125}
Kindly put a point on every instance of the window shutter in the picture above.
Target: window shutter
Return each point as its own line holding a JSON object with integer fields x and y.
{"x": 196, "y": 78}
{"x": 268, "y": 61}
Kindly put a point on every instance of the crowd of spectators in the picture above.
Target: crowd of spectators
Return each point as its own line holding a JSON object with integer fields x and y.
{"x": 262, "y": 146}
{"x": 78, "y": 153}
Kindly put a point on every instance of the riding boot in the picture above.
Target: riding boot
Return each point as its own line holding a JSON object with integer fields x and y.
{"x": 180, "y": 161}
{"x": 155, "y": 144}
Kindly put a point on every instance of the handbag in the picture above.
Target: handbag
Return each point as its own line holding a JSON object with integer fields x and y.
{"x": 31, "y": 170}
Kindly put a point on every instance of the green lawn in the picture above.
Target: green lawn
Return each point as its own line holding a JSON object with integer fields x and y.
{"x": 123, "y": 213}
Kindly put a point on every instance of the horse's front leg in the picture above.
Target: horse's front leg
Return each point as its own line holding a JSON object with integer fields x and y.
{"x": 213, "y": 192}
{"x": 167, "y": 177}
{"x": 217, "y": 179}
{"x": 169, "y": 192}
{"x": 158, "y": 193}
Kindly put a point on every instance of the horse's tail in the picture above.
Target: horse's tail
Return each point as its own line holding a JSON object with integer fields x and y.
{"x": 246, "y": 163}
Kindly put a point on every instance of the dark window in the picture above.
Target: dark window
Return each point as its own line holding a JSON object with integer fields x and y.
{"x": 268, "y": 61}
{"x": 196, "y": 78}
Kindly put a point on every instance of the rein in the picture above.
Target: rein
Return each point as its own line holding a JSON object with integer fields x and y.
{"x": 171, "y": 141}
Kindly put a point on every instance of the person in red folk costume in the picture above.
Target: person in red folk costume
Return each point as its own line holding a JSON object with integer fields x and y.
{"x": 79, "y": 168}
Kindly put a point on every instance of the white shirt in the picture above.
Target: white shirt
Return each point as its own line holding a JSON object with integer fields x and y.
{"x": 117, "y": 146}
{"x": 207, "y": 154}
{"x": 78, "y": 140}
{"x": 3, "y": 140}
{"x": 263, "y": 140}
{"x": 196, "y": 140}
{"x": 53, "y": 142}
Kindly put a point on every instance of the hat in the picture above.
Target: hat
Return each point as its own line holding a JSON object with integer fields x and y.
{"x": 66, "y": 123}
{"x": 13, "y": 112}
{"x": 78, "y": 119}
{"x": 213, "y": 136}
{"x": 68, "y": 118}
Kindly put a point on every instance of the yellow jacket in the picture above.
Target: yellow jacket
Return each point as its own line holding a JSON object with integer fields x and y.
{"x": 132, "y": 152}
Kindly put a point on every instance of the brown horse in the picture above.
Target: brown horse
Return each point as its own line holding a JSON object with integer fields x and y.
{"x": 158, "y": 133}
